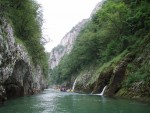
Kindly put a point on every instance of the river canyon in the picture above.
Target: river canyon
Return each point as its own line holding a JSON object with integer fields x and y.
{"x": 54, "y": 101}
{"x": 102, "y": 63}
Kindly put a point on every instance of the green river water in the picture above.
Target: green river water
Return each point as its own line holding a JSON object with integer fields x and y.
{"x": 52, "y": 101}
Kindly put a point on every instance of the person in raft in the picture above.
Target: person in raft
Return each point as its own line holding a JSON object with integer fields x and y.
{"x": 63, "y": 89}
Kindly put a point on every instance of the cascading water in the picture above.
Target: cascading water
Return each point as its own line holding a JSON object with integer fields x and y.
{"x": 102, "y": 93}
{"x": 74, "y": 84}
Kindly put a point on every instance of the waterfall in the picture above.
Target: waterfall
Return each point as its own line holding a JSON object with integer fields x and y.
{"x": 102, "y": 91}
{"x": 74, "y": 84}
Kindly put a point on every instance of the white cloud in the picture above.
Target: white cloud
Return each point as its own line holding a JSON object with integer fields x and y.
{"x": 61, "y": 15}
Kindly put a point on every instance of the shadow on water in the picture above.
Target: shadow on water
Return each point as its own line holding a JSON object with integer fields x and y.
{"x": 52, "y": 101}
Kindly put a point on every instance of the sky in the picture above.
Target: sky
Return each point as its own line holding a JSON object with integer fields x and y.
{"x": 61, "y": 15}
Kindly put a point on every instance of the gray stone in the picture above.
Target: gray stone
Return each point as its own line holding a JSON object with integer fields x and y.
{"x": 66, "y": 44}
{"x": 17, "y": 73}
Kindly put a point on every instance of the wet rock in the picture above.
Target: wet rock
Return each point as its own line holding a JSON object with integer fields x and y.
{"x": 17, "y": 72}
{"x": 102, "y": 81}
{"x": 118, "y": 76}
{"x": 82, "y": 84}
{"x": 3, "y": 96}
{"x": 13, "y": 87}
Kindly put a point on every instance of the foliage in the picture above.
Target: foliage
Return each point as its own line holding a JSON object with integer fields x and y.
{"x": 107, "y": 66}
{"x": 139, "y": 70}
{"x": 26, "y": 18}
{"x": 118, "y": 26}
{"x": 142, "y": 74}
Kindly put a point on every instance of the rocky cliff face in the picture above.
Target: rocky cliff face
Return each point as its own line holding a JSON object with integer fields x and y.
{"x": 68, "y": 40}
{"x": 66, "y": 44}
{"x": 18, "y": 76}
{"x": 111, "y": 76}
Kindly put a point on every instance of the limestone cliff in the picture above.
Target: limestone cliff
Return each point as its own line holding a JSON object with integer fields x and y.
{"x": 18, "y": 76}
{"x": 116, "y": 58}
{"x": 66, "y": 44}
{"x": 68, "y": 40}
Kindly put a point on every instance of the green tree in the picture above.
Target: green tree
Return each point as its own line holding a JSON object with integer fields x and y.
{"x": 25, "y": 16}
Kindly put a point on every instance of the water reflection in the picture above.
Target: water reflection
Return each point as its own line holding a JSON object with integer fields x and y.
{"x": 52, "y": 101}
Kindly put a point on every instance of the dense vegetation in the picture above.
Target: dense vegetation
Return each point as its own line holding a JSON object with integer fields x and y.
{"x": 26, "y": 19}
{"x": 120, "y": 25}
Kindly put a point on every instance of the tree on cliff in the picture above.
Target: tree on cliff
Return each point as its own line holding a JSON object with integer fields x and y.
{"x": 117, "y": 26}
{"x": 26, "y": 19}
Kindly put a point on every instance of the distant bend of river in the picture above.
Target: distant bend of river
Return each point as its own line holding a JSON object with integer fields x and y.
{"x": 52, "y": 101}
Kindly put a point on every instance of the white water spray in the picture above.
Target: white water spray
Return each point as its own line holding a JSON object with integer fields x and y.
{"x": 102, "y": 93}
{"x": 74, "y": 84}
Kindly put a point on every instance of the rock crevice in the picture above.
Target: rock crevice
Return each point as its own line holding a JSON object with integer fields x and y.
{"x": 18, "y": 75}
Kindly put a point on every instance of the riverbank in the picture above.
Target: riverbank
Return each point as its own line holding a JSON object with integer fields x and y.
{"x": 52, "y": 101}
{"x": 132, "y": 96}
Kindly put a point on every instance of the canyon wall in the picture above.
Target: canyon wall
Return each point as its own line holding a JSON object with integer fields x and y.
{"x": 66, "y": 44}
{"x": 18, "y": 75}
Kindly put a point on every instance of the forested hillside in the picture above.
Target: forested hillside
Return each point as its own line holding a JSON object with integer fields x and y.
{"x": 25, "y": 17}
{"x": 116, "y": 42}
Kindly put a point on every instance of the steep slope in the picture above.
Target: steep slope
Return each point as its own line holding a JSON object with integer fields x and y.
{"x": 18, "y": 75}
{"x": 97, "y": 7}
{"x": 22, "y": 72}
{"x": 111, "y": 50}
{"x": 66, "y": 44}
{"x": 68, "y": 40}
